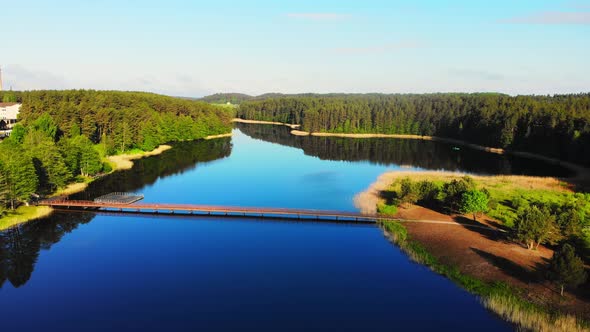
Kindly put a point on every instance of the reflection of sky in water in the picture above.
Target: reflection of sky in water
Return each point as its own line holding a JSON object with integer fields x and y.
{"x": 259, "y": 173}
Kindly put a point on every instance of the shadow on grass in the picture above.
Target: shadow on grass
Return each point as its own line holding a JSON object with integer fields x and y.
{"x": 389, "y": 196}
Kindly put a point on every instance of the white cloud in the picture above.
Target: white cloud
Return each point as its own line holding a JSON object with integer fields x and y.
{"x": 549, "y": 18}
{"x": 320, "y": 16}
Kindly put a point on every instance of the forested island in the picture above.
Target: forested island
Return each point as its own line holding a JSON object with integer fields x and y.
{"x": 64, "y": 136}
{"x": 555, "y": 126}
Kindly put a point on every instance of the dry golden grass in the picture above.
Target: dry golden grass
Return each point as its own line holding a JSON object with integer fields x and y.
{"x": 72, "y": 188}
{"x": 530, "y": 319}
{"x": 125, "y": 161}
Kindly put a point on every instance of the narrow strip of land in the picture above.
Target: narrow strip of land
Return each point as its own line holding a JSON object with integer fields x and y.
{"x": 292, "y": 126}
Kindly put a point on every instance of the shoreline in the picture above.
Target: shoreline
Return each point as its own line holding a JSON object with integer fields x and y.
{"x": 24, "y": 214}
{"x": 292, "y": 126}
{"x": 230, "y": 134}
{"x": 469, "y": 256}
{"x": 125, "y": 161}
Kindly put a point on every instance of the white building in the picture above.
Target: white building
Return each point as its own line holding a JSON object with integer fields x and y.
{"x": 8, "y": 115}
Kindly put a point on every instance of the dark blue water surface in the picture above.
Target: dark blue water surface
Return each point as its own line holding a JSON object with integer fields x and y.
{"x": 80, "y": 271}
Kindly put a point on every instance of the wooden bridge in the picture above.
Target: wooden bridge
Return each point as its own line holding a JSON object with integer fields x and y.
{"x": 210, "y": 210}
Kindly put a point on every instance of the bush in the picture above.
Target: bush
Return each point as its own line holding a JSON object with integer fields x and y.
{"x": 453, "y": 191}
{"x": 429, "y": 191}
{"x": 385, "y": 209}
{"x": 410, "y": 192}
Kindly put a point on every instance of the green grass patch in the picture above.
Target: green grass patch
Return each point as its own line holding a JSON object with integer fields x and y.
{"x": 23, "y": 214}
{"x": 385, "y": 209}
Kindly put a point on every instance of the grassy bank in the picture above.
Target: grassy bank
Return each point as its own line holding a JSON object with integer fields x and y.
{"x": 498, "y": 297}
{"x": 23, "y": 214}
{"x": 125, "y": 161}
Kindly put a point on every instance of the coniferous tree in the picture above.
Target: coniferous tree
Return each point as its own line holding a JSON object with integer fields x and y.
{"x": 566, "y": 269}
{"x": 4, "y": 198}
{"x": 20, "y": 175}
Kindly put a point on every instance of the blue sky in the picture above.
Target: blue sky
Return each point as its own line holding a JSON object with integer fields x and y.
{"x": 193, "y": 48}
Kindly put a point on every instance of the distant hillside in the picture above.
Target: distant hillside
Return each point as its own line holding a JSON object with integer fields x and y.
{"x": 222, "y": 98}
{"x": 238, "y": 98}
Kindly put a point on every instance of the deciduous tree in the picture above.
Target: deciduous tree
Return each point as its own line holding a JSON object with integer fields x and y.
{"x": 474, "y": 201}
{"x": 535, "y": 226}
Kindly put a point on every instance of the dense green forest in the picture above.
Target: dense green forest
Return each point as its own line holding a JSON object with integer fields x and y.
{"x": 556, "y": 126}
{"x": 63, "y": 135}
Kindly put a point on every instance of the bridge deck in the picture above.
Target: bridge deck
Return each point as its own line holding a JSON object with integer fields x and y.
{"x": 211, "y": 209}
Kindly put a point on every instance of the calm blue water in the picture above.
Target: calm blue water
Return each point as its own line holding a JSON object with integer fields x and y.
{"x": 86, "y": 272}
{"x": 270, "y": 175}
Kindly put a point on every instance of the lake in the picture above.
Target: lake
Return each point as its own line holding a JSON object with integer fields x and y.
{"x": 81, "y": 271}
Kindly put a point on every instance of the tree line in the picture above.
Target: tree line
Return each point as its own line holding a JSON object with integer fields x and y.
{"x": 556, "y": 126}
{"x": 63, "y": 135}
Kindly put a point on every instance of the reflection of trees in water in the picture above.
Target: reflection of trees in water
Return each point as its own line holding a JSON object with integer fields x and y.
{"x": 20, "y": 246}
{"x": 407, "y": 152}
{"x": 181, "y": 158}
